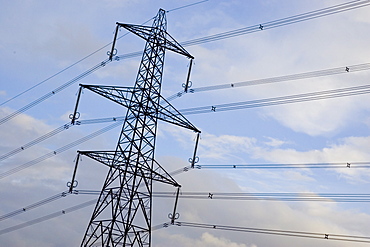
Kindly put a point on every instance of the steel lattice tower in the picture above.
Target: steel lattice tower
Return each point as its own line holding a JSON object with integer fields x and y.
{"x": 123, "y": 214}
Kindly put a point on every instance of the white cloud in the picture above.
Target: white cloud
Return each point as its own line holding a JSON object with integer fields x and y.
{"x": 205, "y": 240}
{"x": 273, "y": 142}
{"x": 22, "y": 127}
{"x": 221, "y": 147}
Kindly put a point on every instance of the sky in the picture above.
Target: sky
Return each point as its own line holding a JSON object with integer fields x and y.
{"x": 41, "y": 38}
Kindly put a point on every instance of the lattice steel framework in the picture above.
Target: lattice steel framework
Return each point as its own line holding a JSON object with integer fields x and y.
{"x": 123, "y": 213}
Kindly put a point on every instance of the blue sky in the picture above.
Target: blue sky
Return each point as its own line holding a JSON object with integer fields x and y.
{"x": 41, "y": 38}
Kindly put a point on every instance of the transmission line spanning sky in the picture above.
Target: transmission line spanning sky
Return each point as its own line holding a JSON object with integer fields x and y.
{"x": 223, "y": 196}
{"x": 322, "y": 56}
{"x": 237, "y": 105}
{"x": 268, "y": 25}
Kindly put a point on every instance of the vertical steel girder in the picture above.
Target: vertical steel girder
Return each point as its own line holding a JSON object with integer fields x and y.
{"x": 122, "y": 216}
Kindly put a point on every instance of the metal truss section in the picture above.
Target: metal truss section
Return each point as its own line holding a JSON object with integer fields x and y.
{"x": 124, "y": 96}
{"x": 103, "y": 231}
{"x": 123, "y": 214}
{"x": 118, "y": 161}
{"x": 167, "y": 41}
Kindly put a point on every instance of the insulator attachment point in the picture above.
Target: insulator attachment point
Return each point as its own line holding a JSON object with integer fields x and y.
{"x": 74, "y": 185}
{"x": 172, "y": 217}
{"x": 196, "y": 160}
{"x": 113, "y": 54}
{"x": 74, "y": 116}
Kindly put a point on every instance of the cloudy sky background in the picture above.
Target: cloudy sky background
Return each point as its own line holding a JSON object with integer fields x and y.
{"x": 41, "y": 38}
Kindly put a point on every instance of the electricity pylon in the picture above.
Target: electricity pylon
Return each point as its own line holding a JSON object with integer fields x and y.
{"x": 123, "y": 213}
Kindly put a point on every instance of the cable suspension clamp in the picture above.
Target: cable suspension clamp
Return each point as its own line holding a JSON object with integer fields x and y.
{"x": 193, "y": 161}
{"x": 188, "y": 82}
{"x": 186, "y": 168}
{"x": 76, "y": 114}
{"x": 174, "y": 216}
{"x": 113, "y": 54}
{"x": 195, "y": 158}
{"x": 113, "y": 51}
{"x": 73, "y": 184}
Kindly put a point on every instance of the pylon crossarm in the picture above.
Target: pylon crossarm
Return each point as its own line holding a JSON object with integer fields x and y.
{"x": 169, "y": 114}
{"x": 173, "y": 45}
{"x": 109, "y": 157}
{"x": 144, "y": 32}
{"x": 123, "y": 89}
{"x": 120, "y": 95}
{"x": 167, "y": 41}
{"x": 159, "y": 172}
{"x": 104, "y": 157}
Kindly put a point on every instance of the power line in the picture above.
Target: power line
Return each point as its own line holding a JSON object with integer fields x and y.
{"x": 327, "y": 94}
{"x": 55, "y": 91}
{"x": 312, "y": 235}
{"x": 320, "y": 95}
{"x": 338, "y": 237}
{"x": 34, "y": 205}
{"x": 47, "y": 217}
{"x": 270, "y": 196}
{"x": 297, "y": 98}
{"x": 306, "y": 75}
{"x": 206, "y": 195}
{"x": 65, "y": 69}
{"x": 242, "y": 166}
{"x": 291, "y": 197}
{"x": 295, "y": 197}
{"x": 252, "y": 196}
{"x": 56, "y": 131}
{"x": 268, "y": 25}
{"x": 58, "y": 151}
{"x": 60, "y": 213}
{"x": 345, "y": 165}
{"x": 89, "y": 55}
{"x": 186, "y": 6}
{"x": 272, "y": 24}
{"x": 281, "y": 22}
{"x": 52, "y": 76}
{"x": 274, "y": 166}
{"x": 244, "y": 196}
